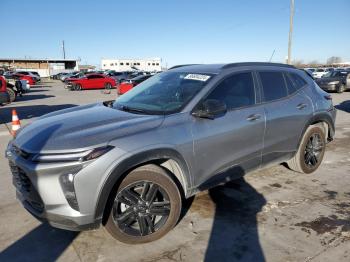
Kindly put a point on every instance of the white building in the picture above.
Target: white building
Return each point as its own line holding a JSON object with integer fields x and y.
{"x": 149, "y": 65}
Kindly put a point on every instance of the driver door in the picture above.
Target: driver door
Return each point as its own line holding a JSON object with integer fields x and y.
{"x": 230, "y": 145}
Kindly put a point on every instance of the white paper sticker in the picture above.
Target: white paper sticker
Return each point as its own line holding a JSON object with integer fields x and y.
{"x": 197, "y": 77}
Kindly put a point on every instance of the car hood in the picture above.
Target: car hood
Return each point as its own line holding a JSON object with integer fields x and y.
{"x": 82, "y": 127}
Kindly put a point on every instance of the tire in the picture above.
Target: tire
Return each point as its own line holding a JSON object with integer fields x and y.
{"x": 142, "y": 209}
{"x": 340, "y": 88}
{"x": 108, "y": 86}
{"x": 12, "y": 94}
{"x": 77, "y": 87}
{"x": 308, "y": 159}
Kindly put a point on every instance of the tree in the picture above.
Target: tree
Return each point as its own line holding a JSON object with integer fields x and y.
{"x": 334, "y": 59}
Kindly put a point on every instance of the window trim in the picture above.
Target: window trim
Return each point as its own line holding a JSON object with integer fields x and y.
{"x": 256, "y": 90}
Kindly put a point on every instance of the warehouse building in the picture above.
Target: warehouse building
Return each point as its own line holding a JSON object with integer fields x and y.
{"x": 45, "y": 67}
{"x": 149, "y": 65}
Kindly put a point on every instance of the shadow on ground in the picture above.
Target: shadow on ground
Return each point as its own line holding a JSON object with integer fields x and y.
{"x": 27, "y": 112}
{"x": 234, "y": 235}
{"x": 43, "y": 243}
{"x": 27, "y": 97}
{"x": 344, "y": 106}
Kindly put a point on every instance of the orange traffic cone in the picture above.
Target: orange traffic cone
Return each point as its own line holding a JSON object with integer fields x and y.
{"x": 16, "y": 124}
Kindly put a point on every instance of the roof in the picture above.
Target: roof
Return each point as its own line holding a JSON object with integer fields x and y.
{"x": 217, "y": 68}
{"x": 38, "y": 60}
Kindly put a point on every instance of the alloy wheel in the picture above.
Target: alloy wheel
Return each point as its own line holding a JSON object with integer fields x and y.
{"x": 313, "y": 150}
{"x": 141, "y": 208}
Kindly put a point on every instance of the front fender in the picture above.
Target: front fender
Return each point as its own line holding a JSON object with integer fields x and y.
{"x": 125, "y": 166}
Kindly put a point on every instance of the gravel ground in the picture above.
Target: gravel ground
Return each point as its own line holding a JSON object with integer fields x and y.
{"x": 273, "y": 214}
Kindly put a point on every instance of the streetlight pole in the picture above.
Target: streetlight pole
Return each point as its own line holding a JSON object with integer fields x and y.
{"x": 290, "y": 31}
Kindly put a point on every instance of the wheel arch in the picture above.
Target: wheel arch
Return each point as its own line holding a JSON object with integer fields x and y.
{"x": 322, "y": 118}
{"x": 169, "y": 159}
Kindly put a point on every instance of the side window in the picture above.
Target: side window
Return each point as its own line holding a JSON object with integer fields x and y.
{"x": 92, "y": 77}
{"x": 297, "y": 80}
{"x": 235, "y": 91}
{"x": 273, "y": 84}
{"x": 290, "y": 86}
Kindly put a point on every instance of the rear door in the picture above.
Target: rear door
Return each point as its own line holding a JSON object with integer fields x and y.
{"x": 232, "y": 140}
{"x": 287, "y": 110}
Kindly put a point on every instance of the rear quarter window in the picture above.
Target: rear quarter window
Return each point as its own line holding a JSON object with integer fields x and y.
{"x": 297, "y": 81}
{"x": 274, "y": 86}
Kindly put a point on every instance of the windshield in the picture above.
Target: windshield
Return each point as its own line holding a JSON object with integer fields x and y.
{"x": 163, "y": 93}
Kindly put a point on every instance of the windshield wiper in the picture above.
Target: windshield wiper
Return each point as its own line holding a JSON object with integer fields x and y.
{"x": 134, "y": 110}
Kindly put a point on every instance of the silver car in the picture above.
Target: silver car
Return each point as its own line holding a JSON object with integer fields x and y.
{"x": 129, "y": 163}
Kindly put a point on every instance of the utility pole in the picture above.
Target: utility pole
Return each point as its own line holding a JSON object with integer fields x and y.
{"x": 289, "y": 61}
{"x": 63, "y": 50}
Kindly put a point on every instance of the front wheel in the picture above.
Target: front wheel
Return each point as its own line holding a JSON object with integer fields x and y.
{"x": 311, "y": 151}
{"x": 146, "y": 206}
{"x": 77, "y": 87}
{"x": 340, "y": 88}
{"x": 108, "y": 86}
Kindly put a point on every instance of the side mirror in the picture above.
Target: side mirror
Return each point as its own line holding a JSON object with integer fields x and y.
{"x": 210, "y": 109}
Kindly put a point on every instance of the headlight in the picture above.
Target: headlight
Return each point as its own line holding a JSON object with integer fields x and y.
{"x": 333, "y": 83}
{"x": 79, "y": 156}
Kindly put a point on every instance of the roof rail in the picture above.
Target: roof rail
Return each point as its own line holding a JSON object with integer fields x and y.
{"x": 256, "y": 64}
{"x": 177, "y": 66}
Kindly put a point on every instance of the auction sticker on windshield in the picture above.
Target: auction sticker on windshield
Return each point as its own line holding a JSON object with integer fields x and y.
{"x": 197, "y": 77}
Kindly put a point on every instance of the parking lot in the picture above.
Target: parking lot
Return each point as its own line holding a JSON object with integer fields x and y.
{"x": 273, "y": 215}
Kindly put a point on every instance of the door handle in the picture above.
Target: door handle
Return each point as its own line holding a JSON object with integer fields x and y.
{"x": 253, "y": 117}
{"x": 301, "y": 106}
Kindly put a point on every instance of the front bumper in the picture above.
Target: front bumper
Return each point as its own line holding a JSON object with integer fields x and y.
{"x": 39, "y": 190}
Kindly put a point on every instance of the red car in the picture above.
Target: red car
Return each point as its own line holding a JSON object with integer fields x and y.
{"x": 4, "y": 96}
{"x": 128, "y": 84}
{"x": 92, "y": 81}
{"x": 31, "y": 80}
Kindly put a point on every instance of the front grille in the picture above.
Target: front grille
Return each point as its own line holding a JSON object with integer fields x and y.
{"x": 26, "y": 189}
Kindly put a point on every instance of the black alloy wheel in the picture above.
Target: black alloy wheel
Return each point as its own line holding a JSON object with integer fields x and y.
{"x": 313, "y": 150}
{"x": 144, "y": 206}
{"x": 141, "y": 208}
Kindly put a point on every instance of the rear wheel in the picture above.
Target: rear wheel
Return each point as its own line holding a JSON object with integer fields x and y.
{"x": 146, "y": 206}
{"x": 12, "y": 94}
{"x": 311, "y": 151}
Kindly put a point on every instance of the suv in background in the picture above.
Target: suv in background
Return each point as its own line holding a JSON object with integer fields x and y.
{"x": 337, "y": 80}
{"x": 36, "y": 76}
{"x": 319, "y": 72}
{"x": 128, "y": 163}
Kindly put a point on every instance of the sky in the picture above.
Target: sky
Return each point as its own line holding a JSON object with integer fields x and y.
{"x": 178, "y": 31}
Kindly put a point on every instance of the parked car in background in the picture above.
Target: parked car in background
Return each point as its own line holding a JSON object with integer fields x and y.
{"x": 310, "y": 69}
{"x": 4, "y": 96}
{"x": 74, "y": 76}
{"x": 126, "y": 85}
{"x": 336, "y": 80}
{"x": 128, "y": 164}
{"x": 36, "y": 76}
{"x": 92, "y": 81}
{"x": 118, "y": 76}
{"x": 30, "y": 80}
{"x": 319, "y": 72}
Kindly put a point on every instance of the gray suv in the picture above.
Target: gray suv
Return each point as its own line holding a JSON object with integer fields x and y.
{"x": 130, "y": 163}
